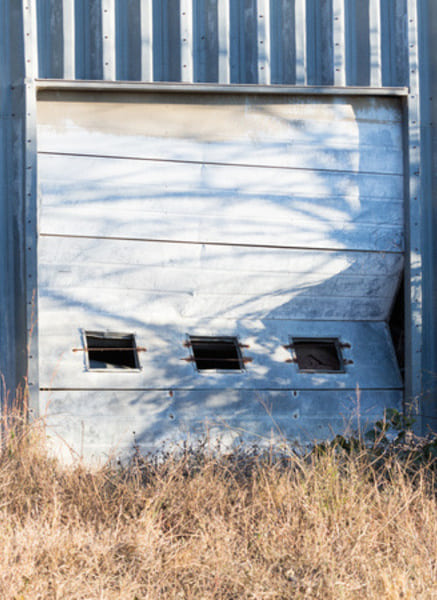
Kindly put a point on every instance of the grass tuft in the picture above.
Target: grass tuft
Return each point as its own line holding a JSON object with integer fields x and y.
{"x": 337, "y": 523}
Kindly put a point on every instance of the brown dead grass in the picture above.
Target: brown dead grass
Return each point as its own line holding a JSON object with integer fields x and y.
{"x": 242, "y": 526}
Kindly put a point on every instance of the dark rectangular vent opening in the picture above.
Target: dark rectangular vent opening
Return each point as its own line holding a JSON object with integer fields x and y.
{"x": 318, "y": 355}
{"x": 111, "y": 350}
{"x": 397, "y": 328}
{"x": 216, "y": 353}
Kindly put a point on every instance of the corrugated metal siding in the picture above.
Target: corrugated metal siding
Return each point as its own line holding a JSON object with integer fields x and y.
{"x": 428, "y": 72}
{"x": 12, "y": 195}
{"x": 314, "y": 42}
{"x": 307, "y": 41}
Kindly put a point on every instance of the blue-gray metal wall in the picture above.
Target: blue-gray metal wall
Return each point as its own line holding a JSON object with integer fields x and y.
{"x": 314, "y": 42}
{"x": 12, "y": 156}
{"x": 304, "y": 42}
{"x": 428, "y": 73}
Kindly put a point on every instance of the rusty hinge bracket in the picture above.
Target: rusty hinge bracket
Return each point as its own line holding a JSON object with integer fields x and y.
{"x": 137, "y": 349}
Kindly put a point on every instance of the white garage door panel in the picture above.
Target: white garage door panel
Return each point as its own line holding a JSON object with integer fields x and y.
{"x": 170, "y": 281}
{"x": 186, "y": 280}
{"x": 164, "y": 366}
{"x": 54, "y": 250}
{"x": 149, "y": 200}
{"x": 311, "y": 132}
{"x": 352, "y": 154}
{"x": 112, "y": 423}
{"x": 251, "y": 216}
{"x": 177, "y": 306}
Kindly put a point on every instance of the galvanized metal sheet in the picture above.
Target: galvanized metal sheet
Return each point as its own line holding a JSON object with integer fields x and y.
{"x": 322, "y": 188}
{"x": 163, "y": 329}
{"x": 110, "y": 424}
{"x": 234, "y": 281}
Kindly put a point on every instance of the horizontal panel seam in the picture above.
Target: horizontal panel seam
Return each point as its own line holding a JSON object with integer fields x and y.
{"x": 217, "y": 164}
{"x": 205, "y": 243}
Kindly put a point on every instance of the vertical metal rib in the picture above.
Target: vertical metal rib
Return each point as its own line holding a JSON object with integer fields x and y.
{"x": 338, "y": 31}
{"x": 146, "y": 16}
{"x": 300, "y": 41}
{"x": 68, "y": 35}
{"x": 187, "y": 72}
{"x": 414, "y": 254}
{"x": 224, "y": 46}
{"x": 264, "y": 50}
{"x": 29, "y": 182}
{"x": 108, "y": 42}
{"x": 375, "y": 43}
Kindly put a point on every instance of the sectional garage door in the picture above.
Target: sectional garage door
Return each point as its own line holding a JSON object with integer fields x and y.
{"x": 274, "y": 223}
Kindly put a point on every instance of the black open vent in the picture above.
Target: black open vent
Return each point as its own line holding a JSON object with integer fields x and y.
{"x": 111, "y": 350}
{"x": 322, "y": 355}
{"x": 397, "y": 329}
{"x": 216, "y": 353}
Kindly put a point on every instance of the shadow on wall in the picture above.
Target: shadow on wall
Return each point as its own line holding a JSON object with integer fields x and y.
{"x": 163, "y": 249}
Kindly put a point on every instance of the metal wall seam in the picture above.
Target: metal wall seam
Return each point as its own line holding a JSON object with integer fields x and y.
{"x": 108, "y": 39}
{"x": 44, "y": 39}
{"x": 350, "y": 45}
{"x": 224, "y": 43}
{"x": 247, "y": 88}
{"x": 8, "y": 118}
{"x": 413, "y": 222}
{"x": 375, "y": 43}
{"x": 338, "y": 34}
{"x": 146, "y": 28}
{"x": 68, "y": 38}
{"x": 186, "y": 24}
{"x": 428, "y": 107}
{"x": 388, "y": 43}
{"x": 300, "y": 33}
{"x": 264, "y": 50}
{"x": 30, "y": 203}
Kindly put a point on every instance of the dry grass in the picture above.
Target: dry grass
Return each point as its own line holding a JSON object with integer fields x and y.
{"x": 201, "y": 527}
